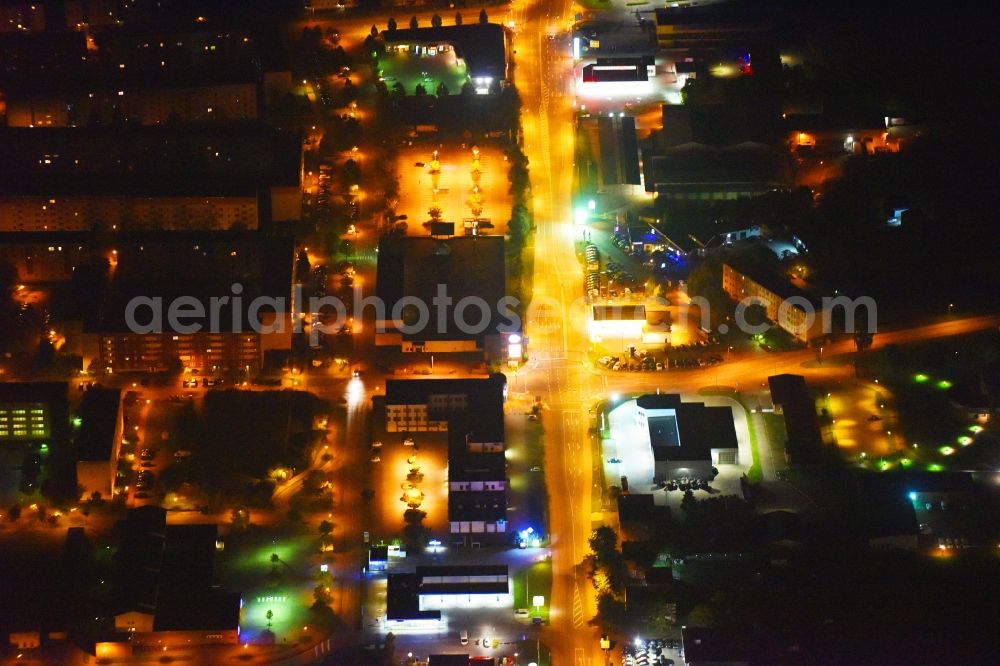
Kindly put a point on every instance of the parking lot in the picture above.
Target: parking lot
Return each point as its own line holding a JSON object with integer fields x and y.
{"x": 459, "y": 184}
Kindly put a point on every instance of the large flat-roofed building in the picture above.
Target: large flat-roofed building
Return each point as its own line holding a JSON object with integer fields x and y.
{"x": 426, "y": 405}
{"x": 165, "y": 587}
{"x": 43, "y": 256}
{"x": 98, "y": 441}
{"x": 686, "y": 438}
{"x": 33, "y": 412}
{"x": 477, "y": 483}
{"x": 616, "y": 161}
{"x": 470, "y": 411}
{"x": 202, "y": 267}
{"x": 482, "y": 47}
{"x": 790, "y": 395}
{"x": 167, "y": 71}
{"x": 617, "y": 322}
{"x": 620, "y": 70}
{"x": 680, "y": 27}
{"x": 157, "y": 178}
{"x": 144, "y": 102}
{"x": 696, "y": 171}
{"x": 474, "y": 586}
{"x": 789, "y": 307}
{"x": 470, "y": 270}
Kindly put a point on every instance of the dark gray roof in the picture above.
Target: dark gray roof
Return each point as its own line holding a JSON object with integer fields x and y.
{"x": 210, "y": 610}
{"x": 415, "y": 266}
{"x": 787, "y": 388}
{"x": 402, "y": 598}
{"x": 636, "y": 508}
{"x": 619, "y": 150}
{"x": 695, "y": 167}
{"x": 99, "y": 411}
{"x": 718, "y": 646}
{"x": 692, "y": 432}
{"x": 202, "y": 265}
{"x": 484, "y": 400}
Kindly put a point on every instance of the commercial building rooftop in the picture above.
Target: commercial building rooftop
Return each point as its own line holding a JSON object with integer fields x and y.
{"x": 690, "y": 431}
{"x": 209, "y": 610}
{"x": 482, "y": 400}
{"x": 473, "y": 579}
{"x": 619, "y": 312}
{"x": 466, "y": 266}
{"x": 698, "y": 168}
{"x": 403, "y": 599}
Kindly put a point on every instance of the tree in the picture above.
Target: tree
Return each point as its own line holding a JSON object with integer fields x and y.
{"x": 269, "y": 615}
{"x": 413, "y": 23}
{"x": 436, "y": 21}
{"x": 391, "y": 25}
{"x": 458, "y": 18}
{"x": 274, "y": 558}
{"x": 468, "y": 90}
{"x": 398, "y": 90}
{"x": 321, "y": 596}
{"x": 325, "y": 528}
{"x": 603, "y": 541}
{"x": 389, "y": 651}
{"x": 240, "y": 518}
{"x": 755, "y": 314}
{"x": 610, "y": 614}
{"x": 483, "y": 18}
{"x": 442, "y": 90}
{"x": 688, "y": 502}
{"x": 420, "y": 90}
{"x": 374, "y": 31}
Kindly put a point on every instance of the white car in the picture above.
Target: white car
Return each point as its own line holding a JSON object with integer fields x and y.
{"x": 463, "y": 637}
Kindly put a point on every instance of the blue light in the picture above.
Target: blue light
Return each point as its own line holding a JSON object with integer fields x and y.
{"x": 913, "y": 497}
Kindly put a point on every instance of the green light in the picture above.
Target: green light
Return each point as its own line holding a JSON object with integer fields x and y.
{"x": 905, "y": 462}
{"x": 920, "y": 378}
{"x": 883, "y": 465}
{"x": 944, "y": 384}
{"x": 934, "y": 467}
{"x": 44, "y": 448}
{"x": 976, "y": 429}
{"x": 946, "y": 450}
{"x": 965, "y": 441}
{"x": 77, "y": 421}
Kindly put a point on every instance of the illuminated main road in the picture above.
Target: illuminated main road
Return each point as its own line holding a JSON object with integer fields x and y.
{"x": 557, "y": 370}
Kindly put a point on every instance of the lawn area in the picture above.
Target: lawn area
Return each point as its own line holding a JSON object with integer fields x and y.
{"x": 533, "y": 581}
{"x": 246, "y": 565}
{"x": 409, "y": 70}
{"x": 754, "y": 474}
{"x": 918, "y": 379}
{"x": 774, "y": 433}
{"x": 597, "y": 5}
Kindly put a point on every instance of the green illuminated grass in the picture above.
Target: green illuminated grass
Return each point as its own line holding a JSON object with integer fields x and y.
{"x": 411, "y": 70}
{"x": 539, "y": 582}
